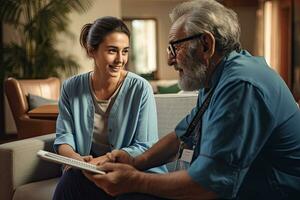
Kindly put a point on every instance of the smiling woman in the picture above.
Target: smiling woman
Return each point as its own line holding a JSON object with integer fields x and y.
{"x": 110, "y": 59}
{"x": 106, "y": 109}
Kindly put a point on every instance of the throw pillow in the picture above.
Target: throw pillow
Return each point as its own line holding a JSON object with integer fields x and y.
{"x": 169, "y": 89}
{"x": 35, "y": 101}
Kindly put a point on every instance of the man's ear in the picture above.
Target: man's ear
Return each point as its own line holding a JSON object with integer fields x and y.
{"x": 208, "y": 42}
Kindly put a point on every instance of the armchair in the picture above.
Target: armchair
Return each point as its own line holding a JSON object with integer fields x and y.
{"x": 17, "y": 92}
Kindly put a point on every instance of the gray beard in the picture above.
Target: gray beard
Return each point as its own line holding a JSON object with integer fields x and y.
{"x": 194, "y": 73}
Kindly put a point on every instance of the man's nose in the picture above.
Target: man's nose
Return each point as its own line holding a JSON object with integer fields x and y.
{"x": 171, "y": 59}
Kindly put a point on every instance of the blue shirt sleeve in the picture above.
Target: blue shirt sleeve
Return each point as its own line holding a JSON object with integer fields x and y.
{"x": 235, "y": 127}
{"x": 64, "y": 123}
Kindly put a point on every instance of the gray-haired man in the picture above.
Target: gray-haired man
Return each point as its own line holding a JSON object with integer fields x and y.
{"x": 241, "y": 140}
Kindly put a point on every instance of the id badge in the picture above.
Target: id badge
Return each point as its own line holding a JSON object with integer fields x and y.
{"x": 187, "y": 155}
{"x": 184, "y": 158}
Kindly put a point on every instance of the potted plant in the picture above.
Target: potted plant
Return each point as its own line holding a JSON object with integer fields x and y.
{"x": 38, "y": 23}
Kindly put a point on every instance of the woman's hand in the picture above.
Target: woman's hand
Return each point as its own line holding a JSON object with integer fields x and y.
{"x": 99, "y": 160}
{"x": 120, "y": 156}
{"x": 68, "y": 151}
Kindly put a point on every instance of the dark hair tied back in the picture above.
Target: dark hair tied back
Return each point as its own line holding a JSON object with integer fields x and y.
{"x": 93, "y": 34}
{"x": 84, "y": 34}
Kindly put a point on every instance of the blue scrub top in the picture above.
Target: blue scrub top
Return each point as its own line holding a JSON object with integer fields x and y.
{"x": 250, "y": 145}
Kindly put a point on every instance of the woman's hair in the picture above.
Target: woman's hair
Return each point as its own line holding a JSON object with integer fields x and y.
{"x": 210, "y": 16}
{"x": 93, "y": 34}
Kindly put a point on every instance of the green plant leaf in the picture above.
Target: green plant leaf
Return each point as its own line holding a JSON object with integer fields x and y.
{"x": 38, "y": 22}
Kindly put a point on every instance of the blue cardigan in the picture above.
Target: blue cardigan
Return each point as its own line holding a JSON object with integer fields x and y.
{"x": 132, "y": 121}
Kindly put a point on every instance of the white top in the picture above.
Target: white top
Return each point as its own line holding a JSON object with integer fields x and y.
{"x": 100, "y": 143}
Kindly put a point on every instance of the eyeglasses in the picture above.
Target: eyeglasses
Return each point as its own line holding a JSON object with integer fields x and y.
{"x": 172, "y": 49}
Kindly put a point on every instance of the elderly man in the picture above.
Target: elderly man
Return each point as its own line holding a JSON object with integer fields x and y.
{"x": 242, "y": 139}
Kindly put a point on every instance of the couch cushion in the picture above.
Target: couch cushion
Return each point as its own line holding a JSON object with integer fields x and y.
{"x": 171, "y": 108}
{"x": 41, "y": 190}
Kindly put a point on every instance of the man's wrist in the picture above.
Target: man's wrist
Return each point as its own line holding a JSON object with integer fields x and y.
{"x": 139, "y": 182}
{"x": 139, "y": 162}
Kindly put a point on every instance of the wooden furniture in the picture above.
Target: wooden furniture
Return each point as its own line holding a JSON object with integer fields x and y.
{"x": 44, "y": 112}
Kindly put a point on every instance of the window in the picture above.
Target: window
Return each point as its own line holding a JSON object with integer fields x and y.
{"x": 143, "y": 54}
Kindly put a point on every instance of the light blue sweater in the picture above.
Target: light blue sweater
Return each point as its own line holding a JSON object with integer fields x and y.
{"x": 132, "y": 121}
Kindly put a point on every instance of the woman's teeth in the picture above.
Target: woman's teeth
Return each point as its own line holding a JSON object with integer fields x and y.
{"x": 114, "y": 68}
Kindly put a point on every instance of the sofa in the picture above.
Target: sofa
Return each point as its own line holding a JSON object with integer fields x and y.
{"x": 24, "y": 176}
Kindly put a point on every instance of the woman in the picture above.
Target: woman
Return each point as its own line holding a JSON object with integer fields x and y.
{"x": 103, "y": 110}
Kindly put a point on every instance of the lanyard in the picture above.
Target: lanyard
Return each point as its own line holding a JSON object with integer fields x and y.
{"x": 198, "y": 117}
{"x": 195, "y": 127}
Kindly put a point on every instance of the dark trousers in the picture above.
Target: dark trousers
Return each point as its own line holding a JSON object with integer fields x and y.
{"x": 74, "y": 185}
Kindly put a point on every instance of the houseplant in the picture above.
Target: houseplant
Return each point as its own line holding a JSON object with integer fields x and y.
{"x": 38, "y": 22}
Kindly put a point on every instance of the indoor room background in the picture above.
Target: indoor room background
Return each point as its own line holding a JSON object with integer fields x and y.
{"x": 269, "y": 28}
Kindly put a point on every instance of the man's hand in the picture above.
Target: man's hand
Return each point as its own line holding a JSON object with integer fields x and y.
{"x": 120, "y": 178}
{"x": 114, "y": 156}
{"x": 120, "y": 156}
{"x": 85, "y": 158}
{"x": 100, "y": 160}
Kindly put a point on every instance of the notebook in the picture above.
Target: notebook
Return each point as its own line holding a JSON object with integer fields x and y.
{"x": 53, "y": 157}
